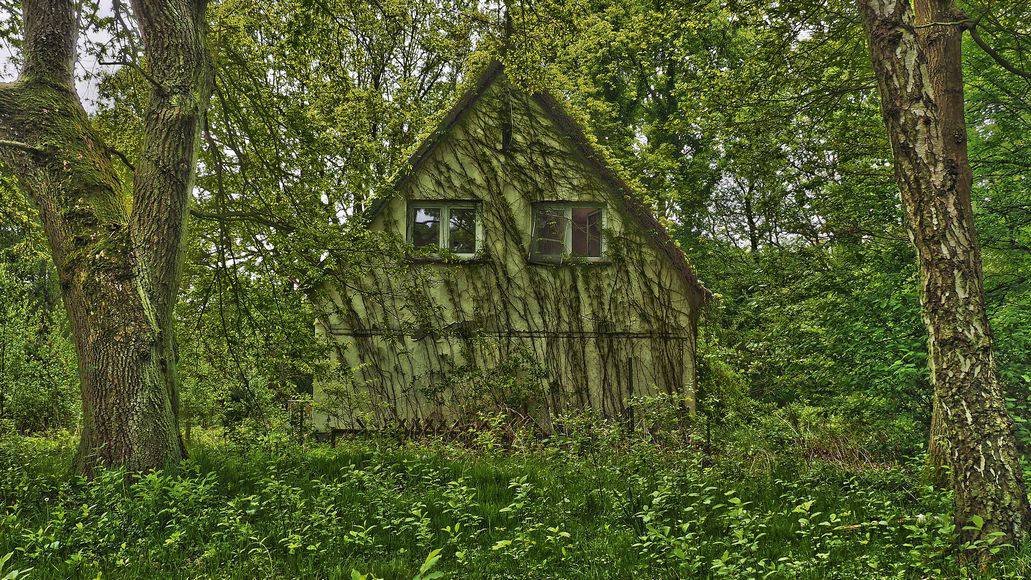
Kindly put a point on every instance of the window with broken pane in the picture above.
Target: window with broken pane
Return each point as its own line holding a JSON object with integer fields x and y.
{"x": 586, "y": 238}
{"x": 550, "y": 231}
{"x": 562, "y": 229}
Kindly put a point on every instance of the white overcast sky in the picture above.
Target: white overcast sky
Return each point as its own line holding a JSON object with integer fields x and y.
{"x": 87, "y": 68}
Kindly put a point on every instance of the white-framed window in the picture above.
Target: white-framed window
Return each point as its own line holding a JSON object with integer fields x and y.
{"x": 567, "y": 229}
{"x": 454, "y": 227}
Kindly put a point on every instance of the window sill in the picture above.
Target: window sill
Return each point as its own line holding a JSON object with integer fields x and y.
{"x": 448, "y": 260}
{"x": 570, "y": 261}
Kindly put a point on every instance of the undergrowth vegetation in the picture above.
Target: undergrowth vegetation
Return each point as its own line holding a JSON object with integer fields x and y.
{"x": 578, "y": 505}
{"x": 759, "y": 144}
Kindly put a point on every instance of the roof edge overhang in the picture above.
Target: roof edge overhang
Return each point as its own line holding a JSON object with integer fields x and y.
{"x": 455, "y": 114}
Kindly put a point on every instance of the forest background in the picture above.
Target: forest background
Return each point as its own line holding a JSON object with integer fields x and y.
{"x": 753, "y": 128}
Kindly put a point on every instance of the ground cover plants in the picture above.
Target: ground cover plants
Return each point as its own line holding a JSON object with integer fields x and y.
{"x": 570, "y": 507}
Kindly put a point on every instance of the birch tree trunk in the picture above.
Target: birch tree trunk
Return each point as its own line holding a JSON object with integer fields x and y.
{"x": 117, "y": 249}
{"x": 920, "y": 82}
{"x": 943, "y": 48}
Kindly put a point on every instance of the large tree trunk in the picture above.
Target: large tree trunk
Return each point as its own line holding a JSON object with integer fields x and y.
{"x": 917, "y": 69}
{"x": 129, "y": 416}
{"x": 117, "y": 252}
{"x": 943, "y": 47}
{"x": 936, "y": 472}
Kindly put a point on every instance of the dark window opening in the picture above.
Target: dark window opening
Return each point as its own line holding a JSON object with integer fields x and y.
{"x": 462, "y": 230}
{"x": 561, "y": 229}
{"x": 426, "y": 227}
{"x": 454, "y": 227}
{"x": 586, "y": 231}
{"x": 550, "y": 232}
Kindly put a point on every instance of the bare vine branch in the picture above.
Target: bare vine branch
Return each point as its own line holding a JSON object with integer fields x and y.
{"x": 158, "y": 86}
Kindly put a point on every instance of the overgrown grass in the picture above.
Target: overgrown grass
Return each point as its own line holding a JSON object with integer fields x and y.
{"x": 377, "y": 507}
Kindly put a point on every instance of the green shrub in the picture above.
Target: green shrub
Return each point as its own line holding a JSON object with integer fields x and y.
{"x": 39, "y": 389}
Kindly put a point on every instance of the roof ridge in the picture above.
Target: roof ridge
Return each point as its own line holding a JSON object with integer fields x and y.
{"x": 427, "y": 140}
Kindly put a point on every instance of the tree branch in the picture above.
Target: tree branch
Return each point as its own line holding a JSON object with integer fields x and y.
{"x": 157, "y": 86}
{"x": 241, "y": 216}
{"x": 123, "y": 157}
{"x": 996, "y": 55}
{"x": 176, "y": 64}
{"x": 51, "y": 32}
{"x": 19, "y": 145}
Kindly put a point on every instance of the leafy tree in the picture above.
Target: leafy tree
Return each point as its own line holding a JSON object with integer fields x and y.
{"x": 315, "y": 105}
{"x": 116, "y": 247}
{"x": 38, "y": 383}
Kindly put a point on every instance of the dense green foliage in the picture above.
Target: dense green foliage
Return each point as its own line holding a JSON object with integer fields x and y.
{"x": 38, "y": 383}
{"x": 752, "y": 127}
{"x": 584, "y": 505}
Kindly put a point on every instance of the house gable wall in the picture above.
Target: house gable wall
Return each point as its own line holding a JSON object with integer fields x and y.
{"x": 424, "y": 340}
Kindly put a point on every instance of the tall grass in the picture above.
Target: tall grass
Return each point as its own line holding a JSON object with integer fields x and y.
{"x": 379, "y": 508}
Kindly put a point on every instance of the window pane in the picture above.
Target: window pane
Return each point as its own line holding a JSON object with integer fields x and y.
{"x": 462, "y": 232}
{"x": 549, "y": 231}
{"x": 426, "y": 227}
{"x": 587, "y": 231}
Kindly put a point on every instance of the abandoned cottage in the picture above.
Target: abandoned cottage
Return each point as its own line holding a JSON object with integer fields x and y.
{"x": 533, "y": 280}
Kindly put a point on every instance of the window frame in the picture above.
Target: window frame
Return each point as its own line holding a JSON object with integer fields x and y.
{"x": 444, "y": 231}
{"x": 567, "y": 208}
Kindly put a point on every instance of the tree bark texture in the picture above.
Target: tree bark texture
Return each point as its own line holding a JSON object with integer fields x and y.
{"x": 936, "y": 472}
{"x": 117, "y": 250}
{"x": 943, "y": 48}
{"x": 920, "y": 82}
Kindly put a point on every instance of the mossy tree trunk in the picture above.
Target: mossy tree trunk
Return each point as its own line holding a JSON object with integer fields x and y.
{"x": 117, "y": 248}
{"x": 916, "y": 56}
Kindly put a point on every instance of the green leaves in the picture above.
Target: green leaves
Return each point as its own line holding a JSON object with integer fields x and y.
{"x": 8, "y": 574}
{"x": 424, "y": 570}
{"x": 286, "y": 510}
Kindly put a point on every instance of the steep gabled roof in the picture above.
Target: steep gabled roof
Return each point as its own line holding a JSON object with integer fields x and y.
{"x": 591, "y": 153}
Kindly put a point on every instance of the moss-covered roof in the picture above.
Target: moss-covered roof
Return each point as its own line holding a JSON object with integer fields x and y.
{"x": 592, "y": 153}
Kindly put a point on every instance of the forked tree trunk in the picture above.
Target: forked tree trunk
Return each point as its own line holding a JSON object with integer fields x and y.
{"x": 117, "y": 250}
{"x": 917, "y": 70}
